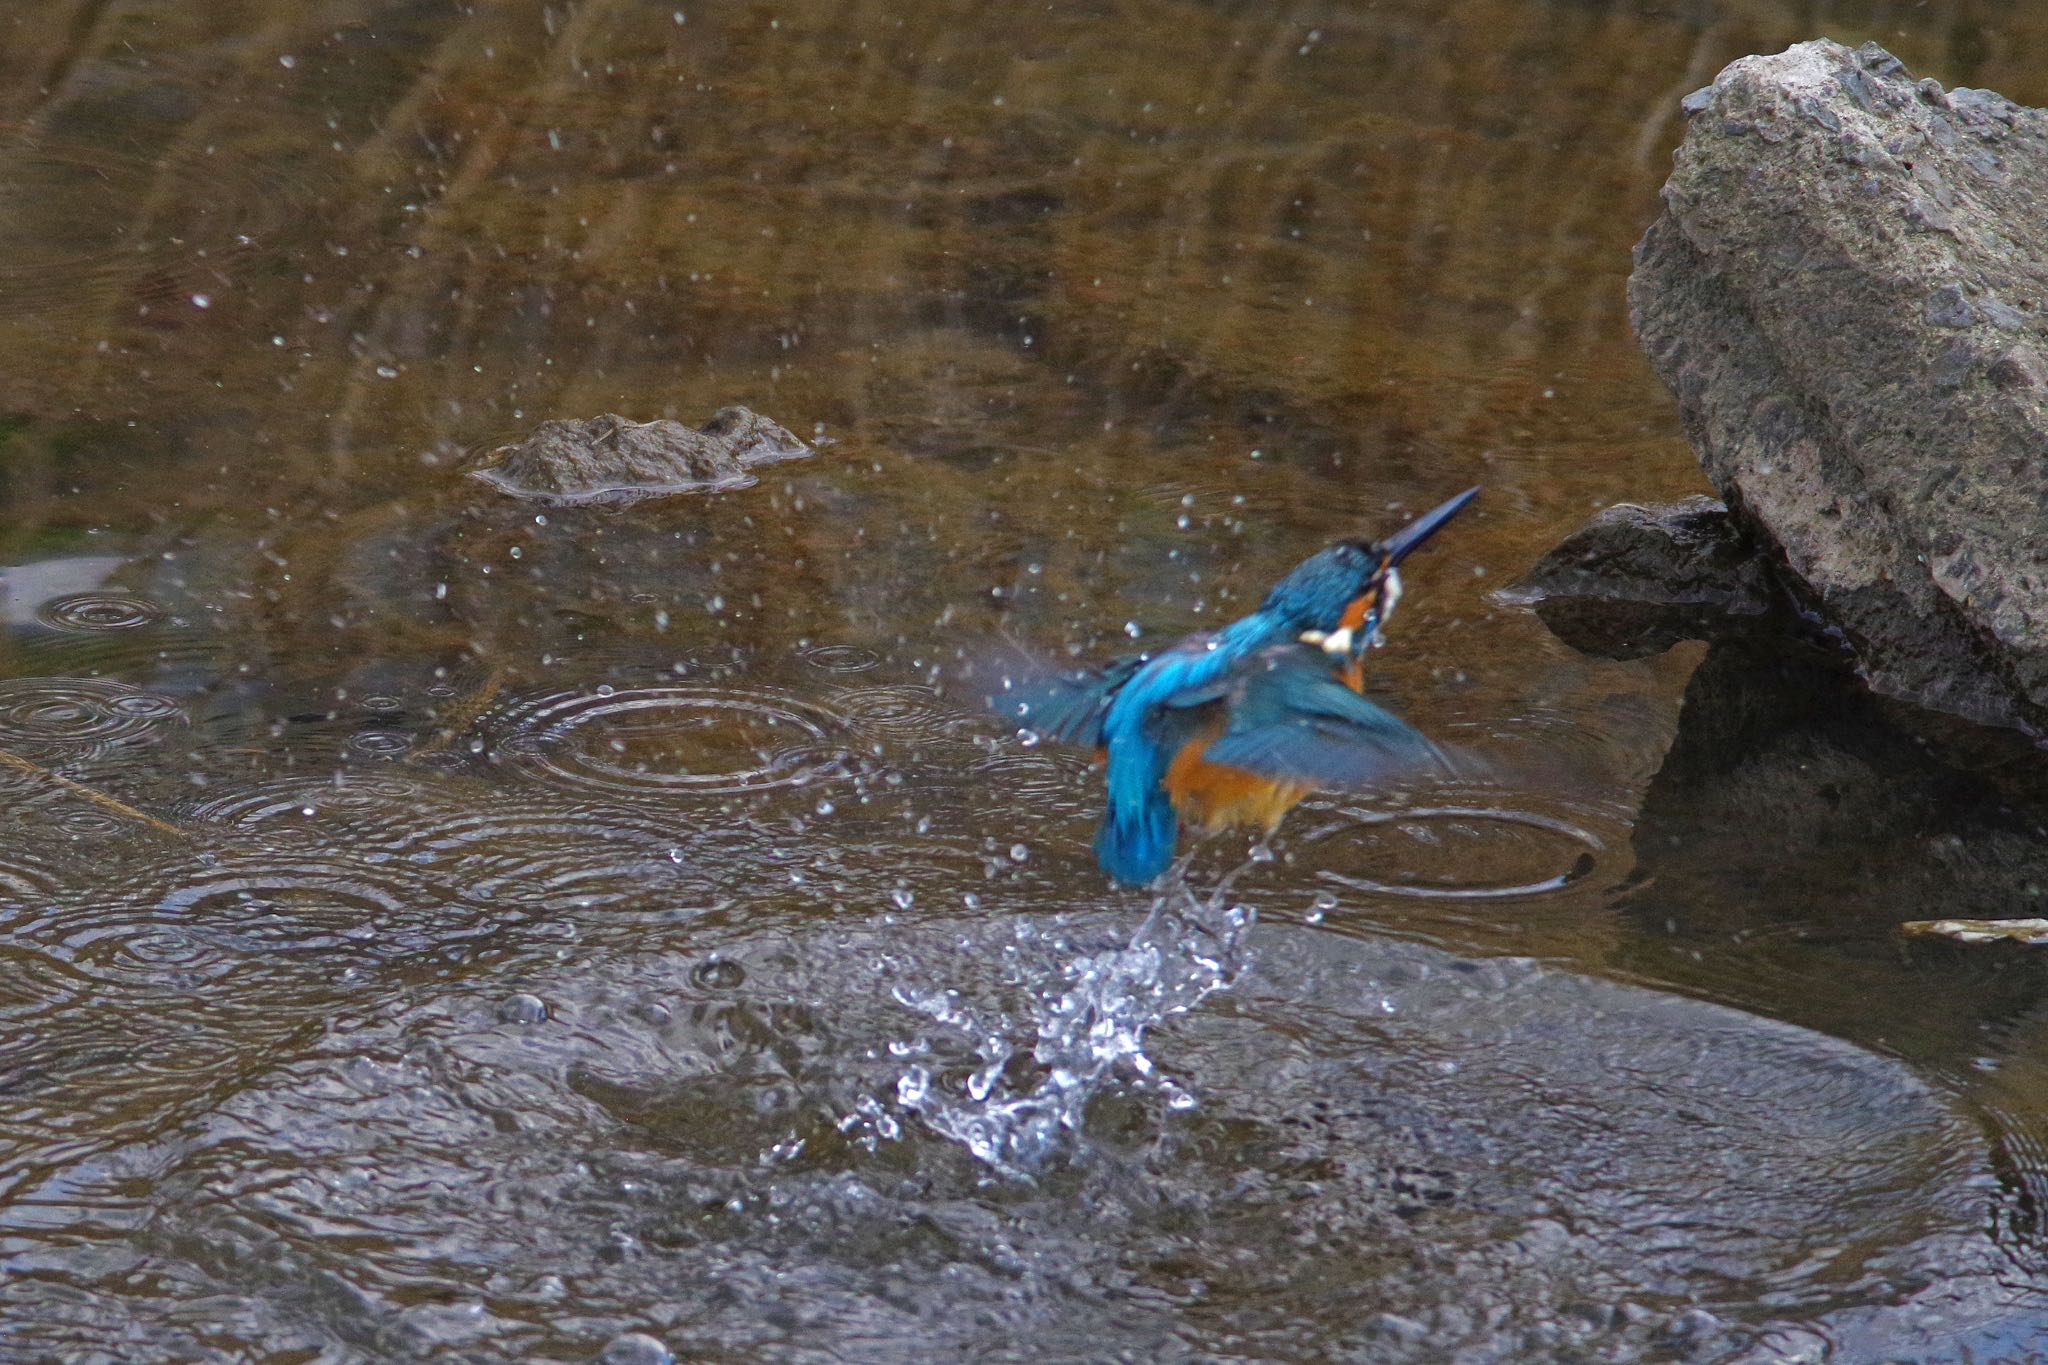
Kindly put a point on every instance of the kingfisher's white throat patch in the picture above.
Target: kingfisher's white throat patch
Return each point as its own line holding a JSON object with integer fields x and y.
{"x": 1383, "y": 609}
{"x": 1333, "y": 642}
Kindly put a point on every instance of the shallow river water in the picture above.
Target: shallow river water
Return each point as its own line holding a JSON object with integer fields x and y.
{"x": 434, "y": 929}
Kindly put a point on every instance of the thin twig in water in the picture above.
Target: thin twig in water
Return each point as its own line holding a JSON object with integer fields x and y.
{"x": 98, "y": 798}
{"x": 459, "y": 716}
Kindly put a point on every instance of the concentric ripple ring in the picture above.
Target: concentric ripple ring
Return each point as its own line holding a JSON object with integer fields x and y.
{"x": 77, "y": 713}
{"x": 676, "y": 739}
{"x": 1578, "y": 865}
{"x": 840, "y": 658}
{"x": 97, "y": 612}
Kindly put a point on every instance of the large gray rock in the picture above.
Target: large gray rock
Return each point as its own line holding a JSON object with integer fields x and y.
{"x": 609, "y": 459}
{"x": 1846, "y": 293}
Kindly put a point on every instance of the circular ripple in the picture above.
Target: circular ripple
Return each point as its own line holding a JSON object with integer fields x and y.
{"x": 92, "y": 823}
{"x": 368, "y": 805}
{"x": 75, "y": 237}
{"x": 516, "y": 853}
{"x": 675, "y": 739}
{"x": 379, "y": 743}
{"x": 308, "y": 889}
{"x": 82, "y": 713}
{"x": 25, "y": 876}
{"x": 840, "y": 658}
{"x": 912, "y": 712}
{"x": 253, "y": 915}
{"x": 1438, "y": 850}
{"x": 97, "y": 611}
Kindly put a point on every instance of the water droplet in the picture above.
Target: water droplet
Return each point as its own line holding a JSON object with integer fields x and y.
{"x": 387, "y": 372}
{"x": 902, "y": 898}
{"x": 1018, "y": 853}
{"x": 202, "y": 300}
{"x": 635, "y": 1348}
{"x": 287, "y": 61}
{"x": 523, "y": 1009}
{"x": 1133, "y": 629}
{"x": 719, "y": 974}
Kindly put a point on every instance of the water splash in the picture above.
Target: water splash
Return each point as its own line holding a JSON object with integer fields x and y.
{"x": 1083, "y": 1032}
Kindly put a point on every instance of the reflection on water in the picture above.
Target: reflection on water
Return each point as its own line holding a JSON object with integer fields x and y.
{"x": 572, "y": 922}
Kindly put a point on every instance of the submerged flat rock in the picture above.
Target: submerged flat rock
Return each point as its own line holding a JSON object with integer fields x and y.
{"x": 610, "y": 459}
{"x": 1635, "y": 580}
{"x": 1846, "y": 292}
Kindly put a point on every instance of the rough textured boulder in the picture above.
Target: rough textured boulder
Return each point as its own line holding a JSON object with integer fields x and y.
{"x": 1846, "y": 291}
{"x": 609, "y": 459}
{"x": 1636, "y": 580}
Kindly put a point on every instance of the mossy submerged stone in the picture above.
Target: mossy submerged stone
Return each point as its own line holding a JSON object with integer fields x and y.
{"x": 611, "y": 459}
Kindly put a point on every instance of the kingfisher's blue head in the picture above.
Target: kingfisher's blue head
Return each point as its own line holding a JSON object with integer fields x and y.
{"x": 1341, "y": 596}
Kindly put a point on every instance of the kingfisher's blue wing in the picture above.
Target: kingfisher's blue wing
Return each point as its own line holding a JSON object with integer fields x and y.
{"x": 1292, "y": 718}
{"x": 1066, "y": 707}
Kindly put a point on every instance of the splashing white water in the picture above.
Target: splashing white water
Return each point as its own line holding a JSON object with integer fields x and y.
{"x": 1086, "y": 1032}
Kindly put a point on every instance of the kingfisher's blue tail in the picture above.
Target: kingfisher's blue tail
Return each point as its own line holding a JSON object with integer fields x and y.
{"x": 1135, "y": 841}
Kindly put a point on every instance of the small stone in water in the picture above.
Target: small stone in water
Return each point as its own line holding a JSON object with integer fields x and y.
{"x": 635, "y": 1348}
{"x": 523, "y": 1009}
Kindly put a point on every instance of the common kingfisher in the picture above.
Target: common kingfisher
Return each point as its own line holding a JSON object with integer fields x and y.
{"x": 1234, "y": 727}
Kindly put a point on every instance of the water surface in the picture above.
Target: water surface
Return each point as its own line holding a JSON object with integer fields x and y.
{"x": 510, "y": 930}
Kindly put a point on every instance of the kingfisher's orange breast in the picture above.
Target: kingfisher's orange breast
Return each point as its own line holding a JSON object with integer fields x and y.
{"x": 1212, "y": 796}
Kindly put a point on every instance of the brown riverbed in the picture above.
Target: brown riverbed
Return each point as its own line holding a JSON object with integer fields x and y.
{"x": 522, "y": 929}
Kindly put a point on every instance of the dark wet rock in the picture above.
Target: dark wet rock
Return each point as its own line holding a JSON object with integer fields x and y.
{"x": 609, "y": 459}
{"x": 1636, "y": 580}
{"x": 1846, "y": 292}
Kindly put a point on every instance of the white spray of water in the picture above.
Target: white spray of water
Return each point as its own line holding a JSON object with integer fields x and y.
{"x": 1086, "y": 1032}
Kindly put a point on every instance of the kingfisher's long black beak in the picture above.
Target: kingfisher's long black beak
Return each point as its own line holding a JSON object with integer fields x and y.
{"x": 1397, "y": 546}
